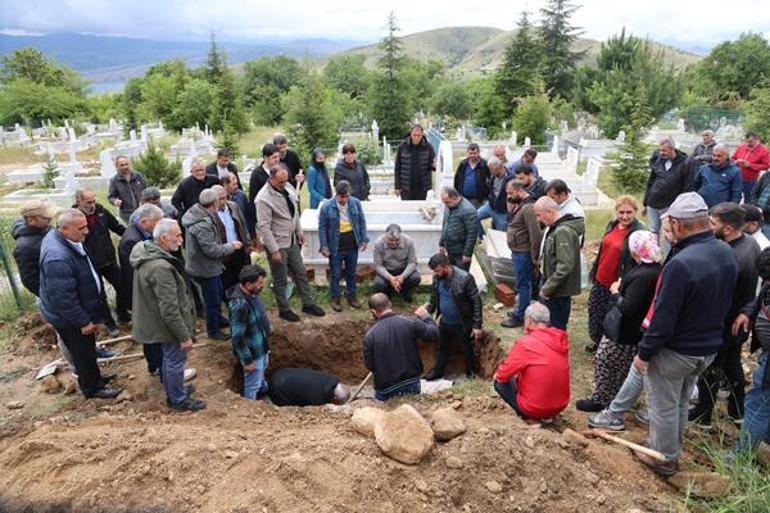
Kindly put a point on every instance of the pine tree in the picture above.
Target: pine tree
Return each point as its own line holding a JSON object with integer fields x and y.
{"x": 557, "y": 37}
{"x": 216, "y": 63}
{"x": 228, "y": 104}
{"x": 156, "y": 168}
{"x": 631, "y": 169}
{"x": 518, "y": 75}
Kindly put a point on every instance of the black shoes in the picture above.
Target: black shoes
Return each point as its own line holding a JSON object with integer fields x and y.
{"x": 188, "y": 405}
{"x": 314, "y": 310}
{"x": 589, "y": 405}
{"x": 219, "y": 335}
{"x": 288, "y": 315}
{"x": 105, "y": 393}
{"x": 433, "y": 375}
{"x": 106, "y": 378}
{"x": 512, "y": 322}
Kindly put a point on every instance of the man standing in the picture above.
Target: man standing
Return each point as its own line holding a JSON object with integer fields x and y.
{"x": 281, "y": 233}
{"x": 342, "y": 234}
{"x": 726, "y": 221}
{"x": 72, "y": 299}
{"x": 535, "y": 185}
{"x": 125, "y": 189}
{"x": 249, "y": 329}
{"x": 290, "y": 159}
{"x": 560, "y": 260}
{"x": 694, "y": 296}
{"x": 164, "y": 311}
{"x": 235, "y": 229}
{"x": 459, "y": 230}
{"x": 352, "y": 171}
{"x": 559, "y": 191}
{"x": 455, "y": 299}
{"x": 151, "y": 195}
{"x": 497, "y": 207}
{"x": 668, "y": 178}
{"x": 305, "y": 387}
{"x": 28, "y": 232}
{"x": 528, "y": 157}
{"x": 395, "y": 261}
{"x": 703, "y": 151}
{"x": 391, "y": 350}
{"x": 100, "y": 249}
{"x": 719, "y": 181}
{"x": 752, "y": 158}
{"x": 261, "y": 174}
{"x": 206, "y": 250}
{"x": 222, "y": 165}
{"x": 524, "y": 238}
{"x": 189, "y": 189}
{"x": 501, "y": 154}
{"x": 471, "y": 177}
{"x": 753, "y": 225}
{"x": 237, "y": 196}
{"x": 414, "y": 165}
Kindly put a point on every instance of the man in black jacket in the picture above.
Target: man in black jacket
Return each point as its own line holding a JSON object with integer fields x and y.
{"x": 669, "y": 177}
{"x": 260, "y": 175}
{"x": 101, "y": 250}
{"x": 223, "y": 165}
{"x": 305, "y": 387}
{"x": 188, "y": 190}
{"x": 28, "y": 233}
{"x": 125, "y": 189}
{"x": 535, "y": 185}
{"x": 727, "y": 220}
{"x": 471, "y": 177}
{"x": 457, "y": 301}
{"x": 391, "y": 350}
{"x": 290, "y": 159}
{"x": 414, "y": 165}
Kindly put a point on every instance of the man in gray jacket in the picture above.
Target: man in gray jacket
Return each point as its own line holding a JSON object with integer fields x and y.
{"x": 125, "y": 190}
{"x": 278, "y": 227}
{"x": 460, "y": 229}
{"x": 207, "y": 247}
{"x": 395, "y": 261}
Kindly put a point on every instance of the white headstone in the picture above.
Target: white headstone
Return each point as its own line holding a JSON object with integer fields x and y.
{"x": 514, "y": 139}
{"x": 70, "y": 185}
{"x": 143, "y": 132}
{"x": 527, "y": 142}
{"x": 621, "y": 138}
{"x": 160, "y": 125}
{"x": 132, "y": 135}
{"x": 445, "y": 165}
{"x": 375, "y": 130}
{"x": 592, "y": 172}
{"x": 386, "y": 156}
{"x": 680, "y": 125}
{"x": 108, "y": 165}
{"x": 67, "y": 124}
{"x": 573, "y": 159}
{"x": 563, "y": 127}
{"x": 555, "y": 144}
{"x": 73, "y": 137}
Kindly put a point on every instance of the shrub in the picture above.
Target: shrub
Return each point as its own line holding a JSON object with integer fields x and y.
{"x": 156, "y": 168}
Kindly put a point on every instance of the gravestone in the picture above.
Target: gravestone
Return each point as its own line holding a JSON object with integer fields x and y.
{"x": 527, "y": 142}
{"x": 555, "y": 144}
{"x": 573, "y": 159}
{"x": 445, "y": 165}
{"x": 514, "y": 139}
{"x": 132, "y": 135}
{"x": 71, "y": 135}
{"x": 592, "y": 172}
{"x": 621, "y": 138}
{"x": 375, "y": 130}
{"x": 108, "y": 165}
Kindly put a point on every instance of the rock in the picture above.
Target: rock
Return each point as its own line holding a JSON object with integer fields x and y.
{"x": 454, "y": 462}
{"x": 575, "y": 437}
{"x": 494, "y": 486}
{"x": 50, "y": 385}
{"x": 14, "y": 405}
{"x": 763, "y": 454}
{"x": 447, "y": 423}
{"x": 591, "y": 478}
{"x": 404, "y": 435}
{"x": 456, "y": 405}
{"x": 124, "y": 396}
{"x": 231, "y": 455}
{"x": 421, "y": 486}
{"x": 700, "y": 484}
{"x": 364, "y": 420}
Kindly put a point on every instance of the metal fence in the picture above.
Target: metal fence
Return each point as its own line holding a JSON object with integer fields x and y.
{"x": 14, "y": 298}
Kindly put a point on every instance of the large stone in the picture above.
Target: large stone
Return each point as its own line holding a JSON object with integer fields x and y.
{"x": 447, "y": 423}
{"x": 364, "y": 419}
{"x": 50, "y": 385}
{"x": 404, "y": 435}
{"x": 763, "y": 454}
{"x": 700, "y": 484}
{"x": 575, "y": 437}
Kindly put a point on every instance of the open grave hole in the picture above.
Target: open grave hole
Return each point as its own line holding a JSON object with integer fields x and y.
{"x": 337, "y": 348}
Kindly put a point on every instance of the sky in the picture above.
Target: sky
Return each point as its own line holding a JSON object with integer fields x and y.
{"x": 688, "y": 24}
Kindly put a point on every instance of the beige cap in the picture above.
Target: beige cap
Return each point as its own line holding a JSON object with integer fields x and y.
{"x": 34, "y": 208}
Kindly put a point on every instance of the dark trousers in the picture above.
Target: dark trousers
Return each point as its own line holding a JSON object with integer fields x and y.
{"x": 233, "y": 267}
{"x": 174, "y": 360}
{"x": 412, "y": 388}
{"x": 83, "y": 351}
{"x": 560, "y": 308}
{"x": 457, "y": 261}
{"x": 213, "y": 293}
{"x": 508, "y": 391}
{"x": 410, "y": 283}
{"x": 727, "y": 368}
{"x": 153, "y": 353}
{"x": 447, "y": 335}
{"x": 415, "y": 194}
{"x": 111, "y": 273}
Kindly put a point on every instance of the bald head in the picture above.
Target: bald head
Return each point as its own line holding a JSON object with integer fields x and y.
{"x": 379, "y": 305}
{"x": 547, "y": 210}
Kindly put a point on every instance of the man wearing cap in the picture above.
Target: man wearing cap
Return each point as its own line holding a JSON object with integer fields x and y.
{"x": 28, "y": 232}
{"x": 695, "y": 292}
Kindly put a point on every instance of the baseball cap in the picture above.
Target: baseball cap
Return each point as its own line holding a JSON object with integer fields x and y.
{"x": 687, "y": 206}
{"x": 36, "y": 207}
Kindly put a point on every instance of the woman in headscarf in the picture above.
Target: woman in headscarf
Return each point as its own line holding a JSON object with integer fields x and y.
{"x": 318, "y": 183}
{"x": 633, "y": 294}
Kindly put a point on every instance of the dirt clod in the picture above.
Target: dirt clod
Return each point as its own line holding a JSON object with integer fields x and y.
{"x": 447, "y": 423}
{"x": 494, "y": 486}
{"x": 50, "y": 385}
{"x": 700, "y": 484}
{"x": 14, "y": 405}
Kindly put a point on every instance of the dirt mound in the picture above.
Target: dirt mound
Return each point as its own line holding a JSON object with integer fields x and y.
{"x": 35, "y": 335}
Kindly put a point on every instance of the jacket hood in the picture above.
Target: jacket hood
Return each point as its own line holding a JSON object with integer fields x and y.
{"x": 147, "y": 251}
{"x": 196, "y": 214}
{"x": 20, "y": 229}
{"x": 576, "y": 223}
{"x": 554, "y": 338}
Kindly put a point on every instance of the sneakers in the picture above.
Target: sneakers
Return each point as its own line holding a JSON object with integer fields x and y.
{"x": 288, "y": 315}
{"x": 113, "y": 331}
{"x": 512, "y": 322}
{"x": 188, "y": 405}
{"x": 336, "y": 305}
{"x": 605, "y": 419}
{"x": 314, "y": 310}
{"x": 354, "y": 302}
{"x": 107, "y": 377}
{"x": 662, "y": 468}
{"x": 190, "y": 374}
{"x": 589, "y": 405}
{"x": 103, "y": 353}
{"x": 642, "y": 416}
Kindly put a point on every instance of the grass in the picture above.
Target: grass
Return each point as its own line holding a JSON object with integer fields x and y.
{"x": 19, "y": 156}
{"x": 251, "y": 143}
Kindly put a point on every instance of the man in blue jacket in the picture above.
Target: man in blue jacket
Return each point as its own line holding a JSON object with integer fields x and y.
{"x": 342, "y": 233}
{"x": 694, "y": 296}
{"x": 719, "y": 181}
{"x": 71, "y": 299}
{"x": 497, "y": 207}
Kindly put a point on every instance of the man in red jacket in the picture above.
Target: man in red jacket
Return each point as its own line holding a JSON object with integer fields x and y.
{"x": 534, "y": 378}
{"x": 752, "y": 158}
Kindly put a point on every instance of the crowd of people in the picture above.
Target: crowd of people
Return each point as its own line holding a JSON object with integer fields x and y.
{"x": 663, "y": 315}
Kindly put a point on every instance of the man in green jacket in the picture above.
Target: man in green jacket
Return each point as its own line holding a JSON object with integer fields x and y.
{"x": 560, "y": 260}
{"x": 459, "y": 230}
{"x": 164, "y": 312}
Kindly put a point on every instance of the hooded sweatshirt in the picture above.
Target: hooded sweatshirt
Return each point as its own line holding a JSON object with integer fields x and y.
{"x": 540, "y": 362}
{"x": 205, "y": 250}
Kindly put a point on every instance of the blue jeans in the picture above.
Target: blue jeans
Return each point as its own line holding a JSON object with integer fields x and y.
{"x": 499, "y": 221}
{"x": 254, "y": 382}
{"x": 653, "y": 216}
{"x": 410, "y": 388}
{"x": 522, "y": 267}
{"x": 748, "y": 188}
{"x": 213, "y": 293}
{"x": 350, "y": 259}
{"x": 174, "y": 360}
{"x": 629, "y": 393}
{"x": 560, "y": 308}
{"x": 756, "y": 417}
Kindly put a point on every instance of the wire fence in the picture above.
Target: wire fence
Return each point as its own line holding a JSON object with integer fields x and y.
{"x": 14, "y": 298}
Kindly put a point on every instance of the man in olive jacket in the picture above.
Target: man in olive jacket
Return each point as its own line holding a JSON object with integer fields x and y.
{"x": 164, "y": 311}
{"x": 460, "y": 229}
{"x": 560, "y": 259}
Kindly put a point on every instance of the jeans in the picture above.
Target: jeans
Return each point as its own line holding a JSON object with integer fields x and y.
{"x": 653, "y": 216}
{"x": 671, "y": 378}
{"x": 499, "y": 220}
{"x": 291, "y": 262}
{"x": 452, "y": 334}
{"x": 756, "y": 421}
{"x": 411, "y": 282}
{"x": 748, "y": 188}
{"x": 349, "y": 258}
{"x": 408, "y": 388}
{"x": 213, "y": 293}
{"x": 522, "y": 267}
{"x": 457, "y": 261}
{"x": 153, "y": 353}
{"x": 560, "y": 308}
{"x": 174, "y": 360}
{"x": 254, "y": 382}
{"x": 508, "y": 391}
{"x": 629, "y": 393}
{"x": 82, "y": 349}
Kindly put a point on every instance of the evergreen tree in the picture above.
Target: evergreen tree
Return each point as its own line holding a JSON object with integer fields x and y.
{"x": 631, "y": 169}
{"x": 156, "y": 168}
{"x": 228, "y": 104}
{"x": 311, "y": 115}
{"x": 131, "y": 99}
{"x": 518, "y": 75}
{"x": 557, "y": 37}
{"x": 216, "y": 63}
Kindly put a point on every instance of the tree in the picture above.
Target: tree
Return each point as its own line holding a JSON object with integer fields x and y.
{"x": 487, "y": 105}
{"x": 347, "y": 74}
{"x": 311, "y": 115}
{"x": 193, "y": 105}
{"x": 30, "y": 64}
{"x": 389, "y": 94}
{"x": 732, "y": 69}
{"x": 757, "y": 110}
{"x": 215, "y": 63}
{"x": 557, "y": 37}
{"x": 532, "y": 118}
{"x": 130, "y": 101}
{"x": 158, "y": 93}
{"x": 156, "y": 168}
{"x": 228, "y": 105}
{"x": 518, "y": 75}
{"x": 265, "y": 81}
{"x": 24, "y": 101}
{"x": 451, "y": 99}
{"x": 631, "y": 169}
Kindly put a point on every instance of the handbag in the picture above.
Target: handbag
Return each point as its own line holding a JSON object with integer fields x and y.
{"x": 612, "y": 321}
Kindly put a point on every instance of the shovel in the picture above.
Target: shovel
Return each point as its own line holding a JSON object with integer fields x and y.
{"x": 48, "y": 369}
